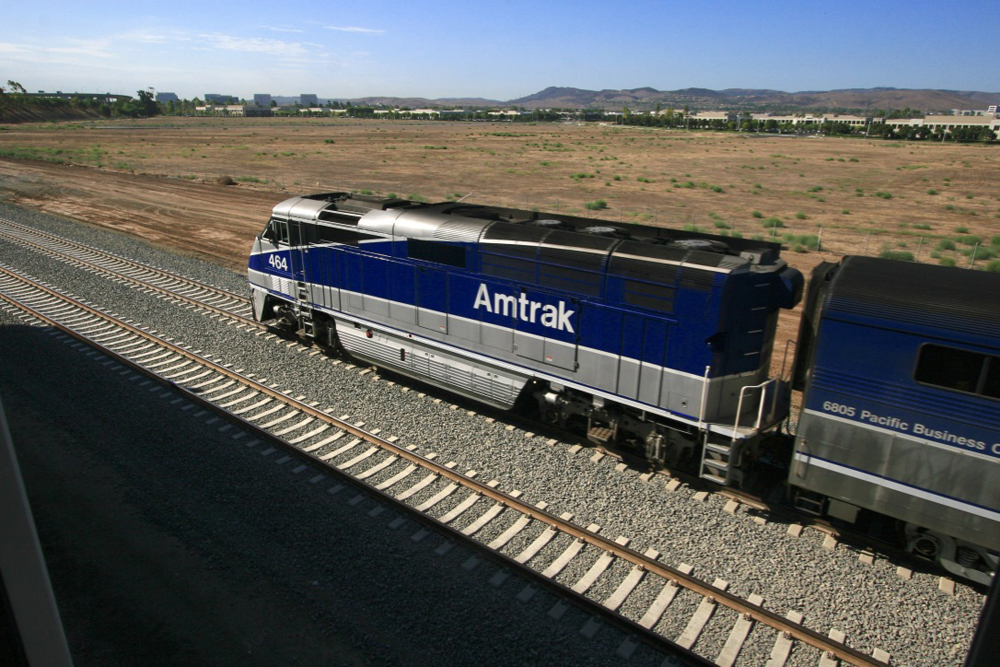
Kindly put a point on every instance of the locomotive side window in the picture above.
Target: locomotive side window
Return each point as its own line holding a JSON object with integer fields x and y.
{"x": 432, "y": 251}
{"x": 326, "y": 234}
{"x": 961, "y": 370}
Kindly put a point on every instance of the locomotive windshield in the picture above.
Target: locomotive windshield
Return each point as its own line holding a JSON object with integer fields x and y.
{"x": 275, "y": 232}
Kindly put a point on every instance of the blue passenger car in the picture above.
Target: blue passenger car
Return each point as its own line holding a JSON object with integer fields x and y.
{"x": 639, "y": 335}
{"x": 901, "y": 410}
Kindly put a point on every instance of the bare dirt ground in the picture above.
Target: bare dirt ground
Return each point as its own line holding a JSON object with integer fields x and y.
{"x": 159, "y": 179}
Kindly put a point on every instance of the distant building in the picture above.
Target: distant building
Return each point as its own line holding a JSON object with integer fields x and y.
{"x": 110, "y": 98}
{"x": 309, "y": 100}
{"x": 215, "y": 98}
{"x": 945, "y": 124}
{"x": 234, "y": 110}
{"x": 262, "y": 100}
{"x": 724, "y": 116}
{"x": 167, "y": 97}
{"x": 846, "y": 119}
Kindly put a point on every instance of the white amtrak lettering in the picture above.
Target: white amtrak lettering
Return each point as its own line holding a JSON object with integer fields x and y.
{"x": 554, "y": 317}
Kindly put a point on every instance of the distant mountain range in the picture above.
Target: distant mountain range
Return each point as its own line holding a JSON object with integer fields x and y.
{"x": 638, "y": 99}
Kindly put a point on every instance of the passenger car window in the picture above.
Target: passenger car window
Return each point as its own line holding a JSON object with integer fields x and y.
{"x": 961, "y": 370}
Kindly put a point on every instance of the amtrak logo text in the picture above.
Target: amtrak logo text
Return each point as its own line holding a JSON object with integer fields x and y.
{"x": 554, "y": 317}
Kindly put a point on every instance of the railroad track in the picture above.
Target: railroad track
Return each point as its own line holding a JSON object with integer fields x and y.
{"x": 437, "y": 495}
{"x": 124, "y": 270}
{"x": 218, "y": 302}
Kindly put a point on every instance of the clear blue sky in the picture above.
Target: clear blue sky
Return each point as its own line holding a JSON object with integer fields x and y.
{"x": 502, "y": 49}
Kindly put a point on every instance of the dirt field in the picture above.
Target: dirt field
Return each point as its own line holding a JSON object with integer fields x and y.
{"x": 823, "y": 197}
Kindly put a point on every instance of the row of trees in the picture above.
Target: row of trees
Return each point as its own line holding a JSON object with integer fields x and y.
{"x": 14, "y": 99}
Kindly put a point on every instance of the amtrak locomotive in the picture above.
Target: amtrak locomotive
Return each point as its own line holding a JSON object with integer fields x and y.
{"x": 661, "y": 341}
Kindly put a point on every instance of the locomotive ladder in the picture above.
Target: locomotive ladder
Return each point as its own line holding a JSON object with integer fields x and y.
{"x": 305, "y": 310}
{"x": 715, "y": 460}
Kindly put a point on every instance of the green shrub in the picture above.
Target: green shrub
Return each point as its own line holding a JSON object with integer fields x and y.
{"x": 946, "y": 244}
{"x": 947, "y": 261}
{"x": 596, "y": 205}
{"x": 804, "y": 242}
{"x": 801, "y": 216}
{"x": 993, "y": 266}
{"x": 900, "y": 255}
{"x": 970, "y": 239}
{"x": 757, "y": 214}
{"x": 773, "y": 222}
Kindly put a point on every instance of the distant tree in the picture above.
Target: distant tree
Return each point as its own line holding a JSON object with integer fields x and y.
{"x": 142, "y": 106}
{"x": 12, "y": 96}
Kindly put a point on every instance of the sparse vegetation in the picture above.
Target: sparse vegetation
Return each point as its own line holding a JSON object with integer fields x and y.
{"x": 642, "y": 182}
{"x": 900, "y": 255}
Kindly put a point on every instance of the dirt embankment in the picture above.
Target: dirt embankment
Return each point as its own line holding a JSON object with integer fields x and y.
{"x": 29, "y": 114}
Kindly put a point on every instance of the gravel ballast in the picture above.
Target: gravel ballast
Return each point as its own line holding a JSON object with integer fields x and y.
{"x": 911, "y": 619}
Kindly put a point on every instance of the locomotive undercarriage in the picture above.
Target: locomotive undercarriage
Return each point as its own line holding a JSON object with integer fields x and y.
{"x": 610, "y": 424}
{"x": 613, "y": 425}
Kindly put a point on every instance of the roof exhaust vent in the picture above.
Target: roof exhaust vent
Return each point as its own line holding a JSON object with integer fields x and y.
{"x": 703, "y": 245}
{"x": 599, "y": 230}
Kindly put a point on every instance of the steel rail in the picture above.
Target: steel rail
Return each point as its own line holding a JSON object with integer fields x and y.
{"x": 118, "y": 258}
{"x": 150, "y": 286}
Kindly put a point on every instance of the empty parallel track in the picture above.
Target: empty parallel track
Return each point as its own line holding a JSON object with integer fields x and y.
{"x": 124, "y": 270}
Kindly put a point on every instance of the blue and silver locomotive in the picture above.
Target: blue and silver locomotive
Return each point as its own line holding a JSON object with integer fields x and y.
{"x": 634, "y": 333}
{"x": 660, "y": 340}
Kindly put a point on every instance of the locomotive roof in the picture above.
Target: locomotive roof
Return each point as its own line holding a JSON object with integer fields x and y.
{"x": 929, "y": 296}
{"x": 471, "y": 223}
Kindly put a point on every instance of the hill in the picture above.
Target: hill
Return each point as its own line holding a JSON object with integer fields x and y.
{"x": 747, "y": 99}
{"x": 743, "y": 98}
